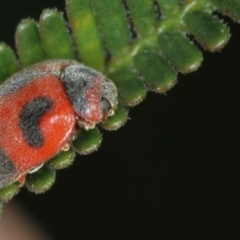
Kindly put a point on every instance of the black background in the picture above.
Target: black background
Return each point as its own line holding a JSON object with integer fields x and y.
{"x": 172, "y": 172}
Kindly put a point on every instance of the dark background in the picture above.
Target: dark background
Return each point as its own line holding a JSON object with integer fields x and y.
{"x": 171, "y": 172}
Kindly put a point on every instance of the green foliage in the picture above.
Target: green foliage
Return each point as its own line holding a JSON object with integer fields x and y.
{"x": 156, "y": 71}
{"x": 8, "y": 62}
{"x": 29, "y": 43}
{"x": 86, "y": 34}
{"x": 183, "y": 55}
{"x": 125, "y": 40}
{"x": 229, "y": 7}
{"x": 88, "y": 141}
{"x": 41, "y": 180}
{"x": 55, "y": 37}
{"x": 113, "y": 25}
{"x": 62, "y": 160}
{"x": 208, "y": 31}
{"x": 9, "y": 192}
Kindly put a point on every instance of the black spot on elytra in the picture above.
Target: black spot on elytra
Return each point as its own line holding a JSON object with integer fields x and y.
{"x": 29, "y": 120}
{"x": 7, "y": 169}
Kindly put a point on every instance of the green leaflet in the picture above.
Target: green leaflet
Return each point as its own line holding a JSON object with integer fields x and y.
{"x": 86, "y": 33}
{"x": 207, "y": 29}
{"x": 8, "y": 62}
{"x": 55, "y": 37}
{"x": 40, "y": 181}
{"x": 28, "y": 43}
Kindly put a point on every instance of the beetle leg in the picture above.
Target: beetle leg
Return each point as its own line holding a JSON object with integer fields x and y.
{"x": 85, "y": 124}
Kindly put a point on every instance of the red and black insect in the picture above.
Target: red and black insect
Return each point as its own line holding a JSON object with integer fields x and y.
{"x": 41, "y": 108}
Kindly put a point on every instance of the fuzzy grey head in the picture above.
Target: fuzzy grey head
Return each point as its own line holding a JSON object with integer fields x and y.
{"x": 93, "y": 96}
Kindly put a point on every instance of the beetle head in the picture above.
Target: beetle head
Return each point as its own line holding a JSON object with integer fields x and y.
{"x": 93, "y": 96}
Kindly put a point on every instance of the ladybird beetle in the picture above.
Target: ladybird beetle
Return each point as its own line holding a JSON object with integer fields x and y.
{"x": 42, "y": 107}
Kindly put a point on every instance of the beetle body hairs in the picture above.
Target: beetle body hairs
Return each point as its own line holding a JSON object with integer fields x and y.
{"x": 41, "y": 109}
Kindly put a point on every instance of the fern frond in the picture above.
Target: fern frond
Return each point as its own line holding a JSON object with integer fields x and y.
{"x": 128, "y": 42}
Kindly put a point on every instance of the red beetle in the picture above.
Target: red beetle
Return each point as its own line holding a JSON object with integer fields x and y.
{"x": 41, "y": 108}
